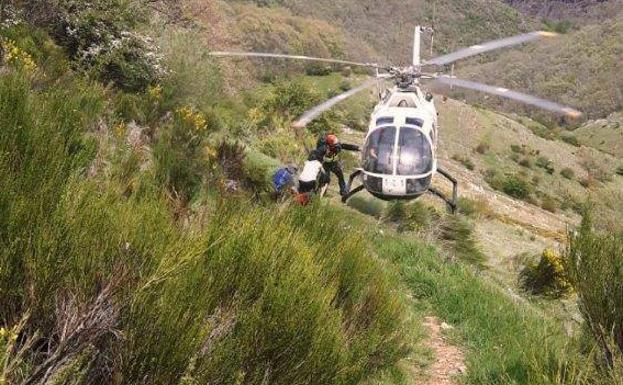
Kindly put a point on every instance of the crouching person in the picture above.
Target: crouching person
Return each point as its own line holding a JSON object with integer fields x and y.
{"x": 313, "y": 179}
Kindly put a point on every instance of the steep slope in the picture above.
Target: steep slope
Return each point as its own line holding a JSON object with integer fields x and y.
{"x": 604, "y": 134}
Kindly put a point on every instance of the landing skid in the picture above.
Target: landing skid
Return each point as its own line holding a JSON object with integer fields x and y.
{"x": 451, "y": 203}
{"x": 354, "y": 191}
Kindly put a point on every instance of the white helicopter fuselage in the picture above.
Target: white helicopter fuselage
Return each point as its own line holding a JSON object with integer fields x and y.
{"x": 399, "y": 156}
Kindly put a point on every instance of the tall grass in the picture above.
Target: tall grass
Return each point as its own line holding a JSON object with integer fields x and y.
{"x": 42, "y": 144}
{"x": 109, "y": 287}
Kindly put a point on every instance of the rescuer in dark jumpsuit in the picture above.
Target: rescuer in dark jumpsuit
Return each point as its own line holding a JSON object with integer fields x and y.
{"x": 327, "y": 151}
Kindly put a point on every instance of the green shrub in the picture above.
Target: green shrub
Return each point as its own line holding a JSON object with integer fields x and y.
{"x": 567, "y": 173}
{"x": 547, "y": 277}
{"x": 594, "y": 263}
{"x": 418, "y": 217}
{"x": 372, "y": 207}
{"x": 526, "y": 162}
{"x": 457, "y": 234}
{"x": 482, "y": 148}
{"x": 410, "y": 217}
{"x": 345, "y": 85}
{"x": 193, "y": 77}
{"x": 513, "y": 185}
{"x": 597, "y": 171}
{"x": 549, "y": 203}
{"x": 178, "y": 153}
{"x": 288, "y": 100}
{"x": 570, "y": 139}
{"x": 569, "y": 201}
{"x": 97, "y": 35}
{"x": 543, "y": 162}
{"x": 517, "y": 149}
{"x": 318, "y": 70}
{"x": 562, "y": 26}
{"x": 466, "y": 162}
{"x": 281, "y": 145}
{"x": 395, "y": 212}
{"x": 473, "y": 207}
{"x": 517, "y": 187}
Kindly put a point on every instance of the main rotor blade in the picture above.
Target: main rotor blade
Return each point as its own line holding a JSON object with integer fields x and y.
{"x": 315, "y": 112}
{"x": 488, "y": 46}
{"x": 292, "y": 57}
{"x": 514, "y": 95}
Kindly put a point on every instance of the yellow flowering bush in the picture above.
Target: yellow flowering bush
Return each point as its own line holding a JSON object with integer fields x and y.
{"x": 120, "y": 129}
{"x": 195, "y": 120}
{"x": 155, "y": 93}
{"x": 547, "y": 277}
{"x": 255, "y": 115}
{"x": 17, "y": 57}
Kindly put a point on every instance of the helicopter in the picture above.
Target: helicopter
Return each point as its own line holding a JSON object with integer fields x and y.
{"x": 398, "y": 159}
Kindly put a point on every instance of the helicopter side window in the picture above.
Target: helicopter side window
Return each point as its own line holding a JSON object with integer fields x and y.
{"x": 415, "y": 155}
{"x": 384, "y": 120}
{"x": 378, "y": 151}
{"x": 414, "y": 122}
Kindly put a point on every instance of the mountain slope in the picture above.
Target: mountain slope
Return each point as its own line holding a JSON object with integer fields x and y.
{"x": 604, "y": 134}
{"x": 581, "y": 68}
{"x": 388, "y": 26}
{"x": 576, "y": 11}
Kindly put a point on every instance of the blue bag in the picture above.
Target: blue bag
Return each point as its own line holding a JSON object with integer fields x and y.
{"x": 283, "y": 178}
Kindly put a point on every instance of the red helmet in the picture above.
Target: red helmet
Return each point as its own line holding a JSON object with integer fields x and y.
{"x": 331, "y": 140}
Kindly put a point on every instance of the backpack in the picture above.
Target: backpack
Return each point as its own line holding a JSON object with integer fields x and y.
{"x": 283, "y": 178}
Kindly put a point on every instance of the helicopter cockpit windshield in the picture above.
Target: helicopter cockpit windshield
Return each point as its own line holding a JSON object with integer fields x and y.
{"x": 413, "y": 156}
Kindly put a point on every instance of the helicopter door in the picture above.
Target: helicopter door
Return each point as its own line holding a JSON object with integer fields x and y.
{"x": 378, "y": 153}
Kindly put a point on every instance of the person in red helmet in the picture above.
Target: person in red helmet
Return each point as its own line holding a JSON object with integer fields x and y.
{"x": 327, "y": 152}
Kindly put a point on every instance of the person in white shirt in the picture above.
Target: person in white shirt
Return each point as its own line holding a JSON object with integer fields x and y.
{"x": 311, "y": 177}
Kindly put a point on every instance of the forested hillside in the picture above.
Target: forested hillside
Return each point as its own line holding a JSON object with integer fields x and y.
{"x": 388, "y": 27}
{"x": 582, "y": 68}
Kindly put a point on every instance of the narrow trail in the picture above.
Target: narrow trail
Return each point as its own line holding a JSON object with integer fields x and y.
{"x": 449, "y": 360}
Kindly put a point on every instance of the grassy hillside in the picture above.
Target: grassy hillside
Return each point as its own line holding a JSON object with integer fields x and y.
{"x": 604, "y": 134}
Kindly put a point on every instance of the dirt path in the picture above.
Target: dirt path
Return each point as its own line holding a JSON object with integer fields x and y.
{"x": 449, "y": 360}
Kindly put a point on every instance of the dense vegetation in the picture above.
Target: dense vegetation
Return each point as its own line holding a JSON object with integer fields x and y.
{"x": 137, "y": 243}
{"x": 108, "y": 272}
